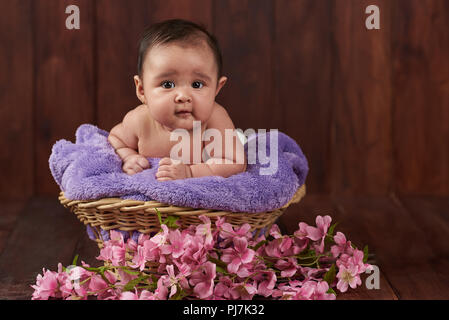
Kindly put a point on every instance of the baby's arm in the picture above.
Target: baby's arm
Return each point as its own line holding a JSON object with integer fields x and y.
{"x": 220, "y": 164}
{"x": 123, "y": 137}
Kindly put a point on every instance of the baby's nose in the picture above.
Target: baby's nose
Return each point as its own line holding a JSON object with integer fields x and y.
{"x": 182, "y": 97}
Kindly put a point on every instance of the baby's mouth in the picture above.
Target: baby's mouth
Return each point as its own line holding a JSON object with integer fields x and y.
{"x": 183, "y": 114}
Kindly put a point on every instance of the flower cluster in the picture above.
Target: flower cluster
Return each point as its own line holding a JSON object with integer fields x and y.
{"x": 221, "y": 263}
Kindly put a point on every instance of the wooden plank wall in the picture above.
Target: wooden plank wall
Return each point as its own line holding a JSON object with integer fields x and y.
{"x": 370, "y": 109}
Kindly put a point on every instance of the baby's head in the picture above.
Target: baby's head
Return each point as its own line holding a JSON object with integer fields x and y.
{"x": 179, "y": 73}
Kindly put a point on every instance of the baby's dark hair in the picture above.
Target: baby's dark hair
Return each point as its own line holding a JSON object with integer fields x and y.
{"x": 176, "y": 30}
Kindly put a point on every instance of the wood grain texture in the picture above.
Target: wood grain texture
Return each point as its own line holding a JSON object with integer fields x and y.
{"x": 421, "y": 100}
{"x": 45, "y": 234}
{"x": 245, "y": 32}
{"x": 64, "y": 78}
{"x": 302, "y": 84}
{"x": 10, "y": 213}
{"x": 119, "y": 27}
{"x": 369, "y": 108}
{"x": 361, "y": 100}
{"x": 16, "y": 100}
{"x": 431, "y": 214}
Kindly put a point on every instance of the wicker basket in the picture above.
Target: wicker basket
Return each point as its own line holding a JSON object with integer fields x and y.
{"x": 131, "y": 215}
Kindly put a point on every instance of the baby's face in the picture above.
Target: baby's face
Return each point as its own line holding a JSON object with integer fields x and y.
{"x": 180, "y": 84}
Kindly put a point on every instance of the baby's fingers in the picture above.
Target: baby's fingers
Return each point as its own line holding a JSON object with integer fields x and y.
{"x": 165, "y": 161}
{"x": 143, "y": 163}
{"x": 132, "y": 168}
{"x": 164, "y": 179}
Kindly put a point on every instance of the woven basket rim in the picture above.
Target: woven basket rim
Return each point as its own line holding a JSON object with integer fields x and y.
{"x": 126, "y": 205}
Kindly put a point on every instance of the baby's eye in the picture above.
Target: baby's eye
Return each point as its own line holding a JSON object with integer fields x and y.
{"x": 168, "y": 84}
{"x": 197, "y": 85}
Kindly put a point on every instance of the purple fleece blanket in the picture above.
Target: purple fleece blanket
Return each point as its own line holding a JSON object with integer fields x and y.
{"x": 90, "y": 169}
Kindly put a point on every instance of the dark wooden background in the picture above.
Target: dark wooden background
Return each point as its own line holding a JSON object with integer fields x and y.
{"x": 370, "y": 109}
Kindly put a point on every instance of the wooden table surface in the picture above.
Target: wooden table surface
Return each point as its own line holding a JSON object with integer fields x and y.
{"x": 408, "y": 236}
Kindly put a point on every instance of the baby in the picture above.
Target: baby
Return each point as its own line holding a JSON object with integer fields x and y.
{"x": 179, "y": 76}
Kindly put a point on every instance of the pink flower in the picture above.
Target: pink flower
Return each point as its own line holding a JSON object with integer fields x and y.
{"x": 342, "y": 246}
{"x": 272, "y": 249}
{"x": 347, "y": 276}
{"x": 74, "y": 281}
{"x": 288, "y": 267}
{"x": 99, "y": 286}
{"x": 144, "y": 295}
{"x": 357, "y": 260}
{"x": 321, "y": 292}
{"x": 301, "y": 233}
{"x": 316, "y": 291}
{"x": 203, "y": 280}
{"x": 204, "y": 230}
{"x": 243, "y": 291}
{"x": 266, "y": 286}
{"x": 171, "y": 281}
{"x": 160, "y": 238}
{"x": 281, "y": 247}
{"x": 147, "y": 295}
{"x": 178, "y": 243}
{"x": 238, "y": 255}
{"x": 128, "y": 295}
{"x": 139, "y": 259}
{"x": 221, "y": 290}
{"x": 124, "y": 278}
{"x": 319, "y": 233}
{"x": 132, "y": 245}
{"x": 195, "y": 254}
{"x": 116, "y": 238}
{"x": 161, "y": 291}
{"x": 275, "y": 232}
{"x": 46, "y": 285}
{"x": 227, "y": 233}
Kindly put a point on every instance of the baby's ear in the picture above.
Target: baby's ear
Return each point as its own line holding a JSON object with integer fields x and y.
{"x": 139, "y": 89}
{"x": 220, "y": 84}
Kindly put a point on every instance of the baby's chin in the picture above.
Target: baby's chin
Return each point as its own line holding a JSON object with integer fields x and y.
{"x": 182, "y": 123}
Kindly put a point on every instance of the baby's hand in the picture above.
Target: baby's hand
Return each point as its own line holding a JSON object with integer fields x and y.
{"x": 170, "y": 171}
{"x": 135, "y": 163}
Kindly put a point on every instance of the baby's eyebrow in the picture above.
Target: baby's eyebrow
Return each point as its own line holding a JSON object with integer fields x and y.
{"x": 202, "y": 75}
{"x": 166, "y": 74}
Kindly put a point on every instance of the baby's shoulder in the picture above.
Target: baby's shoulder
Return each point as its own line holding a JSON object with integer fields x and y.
{"x": 219, "y": 117}
{"x": 136, "y": 118}
{"x": 136, "y": 115}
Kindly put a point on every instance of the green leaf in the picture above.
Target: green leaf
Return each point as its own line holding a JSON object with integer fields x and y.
{"x": 329, "y": 276}
{"x": 171, "y": 222}
{"x": 258, "y": 245}
{"x": 133, "y": 273}
{"x": 75, "y": 260}
{"x": 329, "y": 239}
{"x": 133, "y": 283}
{"x": 217, "y": 262}
{"x": 158, "y": 216}
{"x": 154, "y": 278}
{"x": 94, "y": 269}
{"x": 365, "y": 254}
{"x": 330, "y": 290}
{"x": 220, "y": 269}
{"x": 330, "y": 232}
